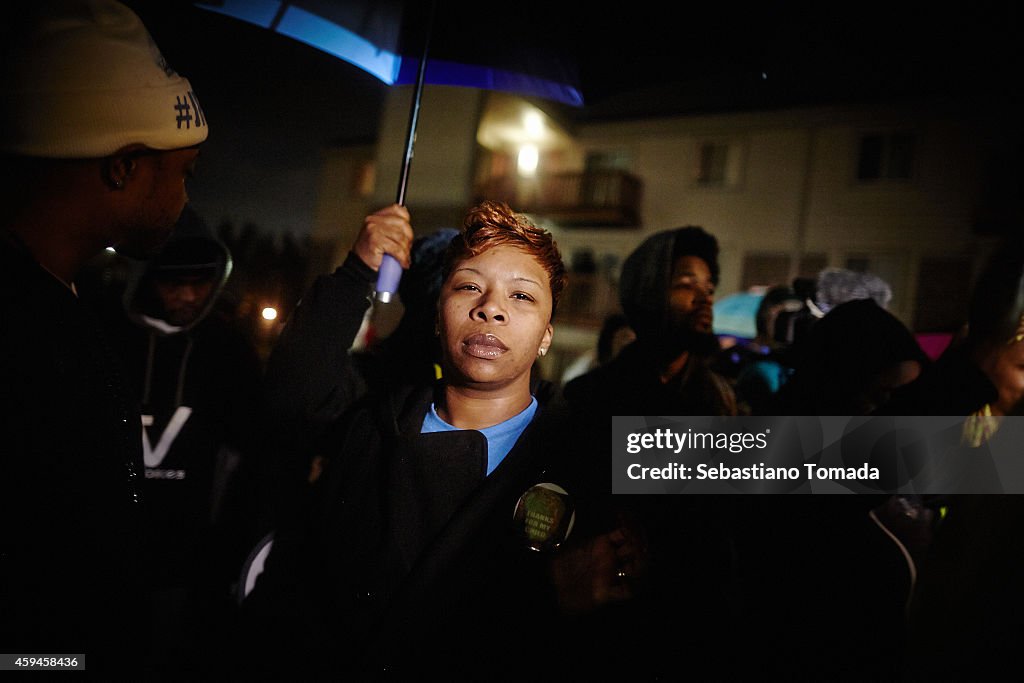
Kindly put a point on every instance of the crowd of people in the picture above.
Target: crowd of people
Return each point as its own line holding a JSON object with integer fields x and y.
{"x": 432, "y": 506}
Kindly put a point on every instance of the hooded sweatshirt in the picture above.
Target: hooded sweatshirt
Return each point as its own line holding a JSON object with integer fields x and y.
{"x": 630, "y": 384}
{"x": 687, "y": 536}
{"x": 199, "y": 385}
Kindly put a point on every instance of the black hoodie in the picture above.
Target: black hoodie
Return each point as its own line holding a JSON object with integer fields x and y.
{"x": 200, "y": 386}
{"x": 630, "y": 384}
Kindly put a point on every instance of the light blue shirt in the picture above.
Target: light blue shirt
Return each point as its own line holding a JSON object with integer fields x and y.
{"x": 500, "y": 437}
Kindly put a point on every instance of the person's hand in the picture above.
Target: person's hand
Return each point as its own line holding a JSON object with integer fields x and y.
{"x": 601, "y": 571}
{"x": 387, "y": 231}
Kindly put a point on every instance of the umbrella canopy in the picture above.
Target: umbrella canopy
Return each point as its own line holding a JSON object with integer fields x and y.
{"x": 417, "y": 43}
{"x": 385, "y": 38}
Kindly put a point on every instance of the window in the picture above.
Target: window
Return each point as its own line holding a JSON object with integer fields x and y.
{"x": 717, "y": 164}
{"x": 712, "y": 163}
{"x": 811, "y": 264}
{"x": 942, "y": 300}
{"x": 765, "y": 270}
{"x": 769, "y": 270}
{"x": 363, "y": 180}
{"x": 608, "y": 160}
{"x": 886, "y": 156}
{"x": 859, "y": 264}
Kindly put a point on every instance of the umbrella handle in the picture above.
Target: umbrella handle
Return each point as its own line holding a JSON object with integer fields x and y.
{"x": 390, "y": 272}
{"x": 388, "y": 277}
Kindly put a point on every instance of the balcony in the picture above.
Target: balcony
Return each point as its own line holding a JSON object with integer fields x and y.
{"x": 596, "y": 199}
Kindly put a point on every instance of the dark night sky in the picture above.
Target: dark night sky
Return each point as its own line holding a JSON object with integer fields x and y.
{"x": 273, "y": 103}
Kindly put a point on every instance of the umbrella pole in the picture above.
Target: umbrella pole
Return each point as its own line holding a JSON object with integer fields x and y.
{"x": 390, "y": 272}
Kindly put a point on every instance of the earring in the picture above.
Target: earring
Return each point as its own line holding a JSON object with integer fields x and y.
{"x": 1019, "y": 334}
{"x": 541, "y": 352}
{"x": 117, "y": 183}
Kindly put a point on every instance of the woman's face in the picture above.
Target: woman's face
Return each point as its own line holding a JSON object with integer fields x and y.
{"x": 495, "y": 314}
{"x": 1005, "y": 367}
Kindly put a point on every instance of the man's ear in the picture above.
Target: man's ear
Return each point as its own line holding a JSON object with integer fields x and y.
{"x": 119, "y": 167}
{"x": 117, "y": 170}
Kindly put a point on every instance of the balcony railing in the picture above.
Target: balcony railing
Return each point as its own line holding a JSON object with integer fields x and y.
{"x": 594, "y": 199}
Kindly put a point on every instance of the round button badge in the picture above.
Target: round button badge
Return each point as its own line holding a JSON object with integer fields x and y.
{"x": 545, "y": 516}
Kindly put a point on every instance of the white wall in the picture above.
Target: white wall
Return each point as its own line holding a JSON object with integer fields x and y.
{"x": 797, "y": 191}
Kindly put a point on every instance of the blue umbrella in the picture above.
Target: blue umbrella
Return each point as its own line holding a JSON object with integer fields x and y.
{"x": 391, "y": 40}
{"x": 736, "y": 314}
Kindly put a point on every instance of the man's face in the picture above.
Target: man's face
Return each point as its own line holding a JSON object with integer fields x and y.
{"x": 157, "y": 197}
{"x": 690, "y": 296}
{"x": 183, "y": 297}
{"x": 495, "y": 313}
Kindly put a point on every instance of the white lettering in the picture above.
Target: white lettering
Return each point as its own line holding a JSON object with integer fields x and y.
{"x": 154, "y": 456}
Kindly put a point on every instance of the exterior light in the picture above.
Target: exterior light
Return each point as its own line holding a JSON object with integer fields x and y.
{"x": 533, "y": 122}
{"x": 528, "y": 158}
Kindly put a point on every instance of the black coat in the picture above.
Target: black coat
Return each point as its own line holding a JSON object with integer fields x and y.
{"x": 403, "y": 559}
{"x": 806, "y": 586}
{"x": 70, "y": 464}
{"x": 965, "y": 614}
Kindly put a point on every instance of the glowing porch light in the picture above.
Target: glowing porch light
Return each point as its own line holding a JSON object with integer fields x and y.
{"x": 529, "y": 156}
{"x": 533, "y": 123}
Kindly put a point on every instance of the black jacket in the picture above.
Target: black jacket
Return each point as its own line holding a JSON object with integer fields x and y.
{"x": 783, "y": 575}
{"x": 403, "y": 559}
{"x": 70, "y": 470}
{"x": 964, "y": 621}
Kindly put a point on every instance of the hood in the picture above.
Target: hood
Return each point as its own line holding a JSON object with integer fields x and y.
{"x": 996, "y": 313}
{"x": 192, "y": 247}
{"x": 644, "y": 282}
{"x": 838, "y": 362}
{"x": 420, "y": 287}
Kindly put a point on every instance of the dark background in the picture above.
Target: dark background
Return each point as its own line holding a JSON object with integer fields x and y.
{"x": 273, "y": 103}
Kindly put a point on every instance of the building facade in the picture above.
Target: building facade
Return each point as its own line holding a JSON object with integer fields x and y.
{"x": 903, "y": 191}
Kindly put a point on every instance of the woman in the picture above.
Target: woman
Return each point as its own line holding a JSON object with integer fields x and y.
{"x": 965, "y": 617}
{"x": 425, "y": 547}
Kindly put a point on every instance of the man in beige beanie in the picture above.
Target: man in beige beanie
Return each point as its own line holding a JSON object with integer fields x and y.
{"x": 98, "y": 136}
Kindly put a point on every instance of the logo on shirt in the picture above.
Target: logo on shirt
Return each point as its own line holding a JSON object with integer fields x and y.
{"x": 153, "y": 456}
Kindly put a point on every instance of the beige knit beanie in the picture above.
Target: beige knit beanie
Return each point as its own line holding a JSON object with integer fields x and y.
{"x": 85, "y": 79}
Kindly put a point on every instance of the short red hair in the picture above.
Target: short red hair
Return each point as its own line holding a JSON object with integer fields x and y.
{"x": 493, "y": 224}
